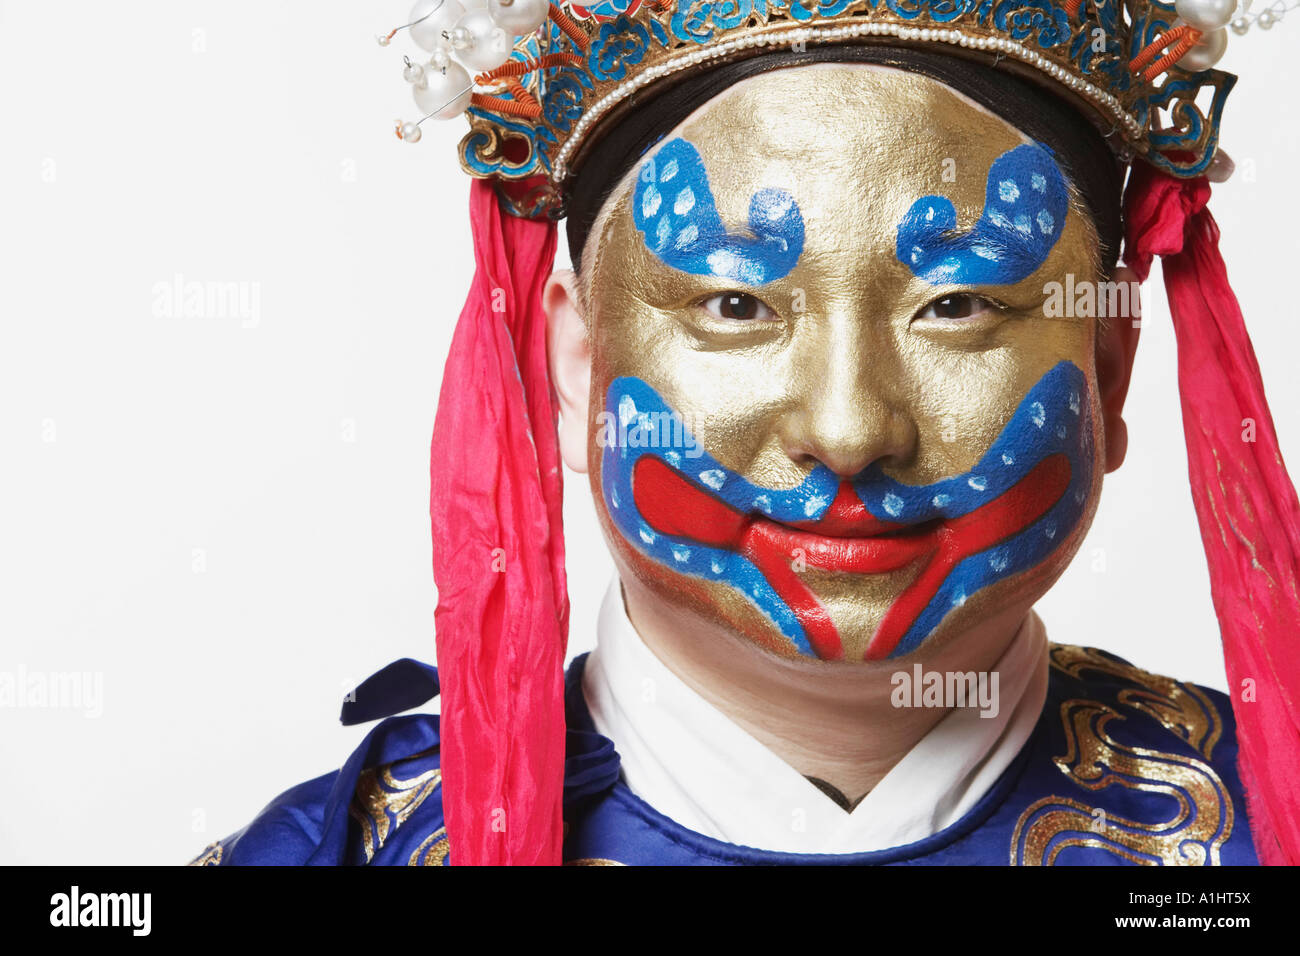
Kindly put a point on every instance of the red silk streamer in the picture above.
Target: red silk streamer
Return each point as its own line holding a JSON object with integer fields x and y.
{"x": 1245, "y": 501}
{"x": 498, "y": 555}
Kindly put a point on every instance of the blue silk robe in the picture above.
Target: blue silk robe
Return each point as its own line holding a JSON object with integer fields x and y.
{"x": 1123, "y": 767}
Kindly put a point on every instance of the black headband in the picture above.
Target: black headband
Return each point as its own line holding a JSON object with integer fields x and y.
{"x": 1079, "y": 148}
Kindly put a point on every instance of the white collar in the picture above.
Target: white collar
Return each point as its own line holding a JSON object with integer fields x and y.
{"x": 690, "y": 762}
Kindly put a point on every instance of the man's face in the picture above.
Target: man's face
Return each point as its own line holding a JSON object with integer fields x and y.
{"x": 827, "y": 408}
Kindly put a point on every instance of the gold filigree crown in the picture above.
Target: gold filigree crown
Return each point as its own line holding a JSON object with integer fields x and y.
{"x": 551, "y": 75}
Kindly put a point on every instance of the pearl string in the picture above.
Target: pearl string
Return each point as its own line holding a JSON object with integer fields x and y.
{"x": 1264, "y": 19}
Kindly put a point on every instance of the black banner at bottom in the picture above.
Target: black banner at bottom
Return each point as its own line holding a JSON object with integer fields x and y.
{"x": 332, "y": 906}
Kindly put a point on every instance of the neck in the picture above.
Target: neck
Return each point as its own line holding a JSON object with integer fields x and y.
{"x": 831, "y": 721}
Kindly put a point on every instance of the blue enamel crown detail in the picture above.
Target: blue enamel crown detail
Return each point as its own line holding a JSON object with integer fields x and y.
{"x": 1112, "y": 58}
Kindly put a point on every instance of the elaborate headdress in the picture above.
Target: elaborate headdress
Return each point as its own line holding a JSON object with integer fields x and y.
{"x": 551, "y": 80}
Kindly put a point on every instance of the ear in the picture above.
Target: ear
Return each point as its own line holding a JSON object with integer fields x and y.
{"x": 570, "y": 358}
{"x": 1117, "y": 339}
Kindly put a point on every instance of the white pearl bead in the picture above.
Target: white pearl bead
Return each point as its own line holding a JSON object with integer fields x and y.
{"x": 1265, "y": 20}
{"x": 445, "y": 94}
{"x": 1206, "y": 15}
{"x": 1221, "y": 168}
{"x": 440, "y": 58}
{"x": 414, "y": 74}
{"x": 1240, "y": 26}
{"x": 411, "y": 133}
{"x": 428, "y": 33}
{"x": 489, "y": 45}
{"x": 1207, "y": 52}
{"x": 518, "y": 17}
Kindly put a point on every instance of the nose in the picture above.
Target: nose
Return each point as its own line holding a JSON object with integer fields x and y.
{"x": 842, "y": 415}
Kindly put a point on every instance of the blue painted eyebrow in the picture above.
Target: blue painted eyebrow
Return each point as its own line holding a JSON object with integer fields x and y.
{"x": 1025, "y": 204}
{"x": 674, "y": 209}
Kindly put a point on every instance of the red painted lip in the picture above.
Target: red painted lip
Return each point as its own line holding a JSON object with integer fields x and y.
{"x": 868, "y": 551}
{"x": 847, "y": 538}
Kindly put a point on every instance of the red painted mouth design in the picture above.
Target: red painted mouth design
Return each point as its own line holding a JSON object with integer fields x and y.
{"x": 847, "y": 538}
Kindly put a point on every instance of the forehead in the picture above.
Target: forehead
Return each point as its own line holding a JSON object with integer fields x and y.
{"x": 848, "y": 141}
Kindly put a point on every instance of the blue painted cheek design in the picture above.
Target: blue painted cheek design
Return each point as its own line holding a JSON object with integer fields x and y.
{"x": 1025, "y": 203}
{"x": 1050, "y": 420}
{"x": 673, "y": 208}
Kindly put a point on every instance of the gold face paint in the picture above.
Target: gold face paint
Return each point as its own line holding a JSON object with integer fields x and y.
{"x": 841, "y": 361}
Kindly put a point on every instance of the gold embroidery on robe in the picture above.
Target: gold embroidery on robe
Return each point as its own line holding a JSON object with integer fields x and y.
{"x": 433, "y": 851}
{"x": 1183, "y": 708}
{"x": 211, "y": 856}
{"x": 1095, "y": 761}
{"x": 382, "y": 802}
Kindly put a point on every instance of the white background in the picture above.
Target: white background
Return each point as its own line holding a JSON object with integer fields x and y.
{"x": 251, "y": 142}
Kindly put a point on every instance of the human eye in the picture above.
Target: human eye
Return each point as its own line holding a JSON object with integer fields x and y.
{"x": 737, "y": 307}
{"x": 960, "y": 307}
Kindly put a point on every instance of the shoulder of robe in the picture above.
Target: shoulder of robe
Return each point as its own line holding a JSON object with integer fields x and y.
{"x": 384, "y": 806}
{"x": 1199, "y": 717}
{"x": 1145, "y": 767}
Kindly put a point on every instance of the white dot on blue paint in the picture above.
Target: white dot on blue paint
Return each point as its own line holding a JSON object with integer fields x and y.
{"x": 1008, "y": 191}
{"x": 929, "y": 214}
{"x": 626, "y": 410}
{"x": 916, "y": 254}
{"x": 892, "y": 504}
{"x": 778, "y": 208}
{"x": 722, "y": 262}
{"x": 1074, "y": 402}
{"x": 941, "y": 501}
{"x": 613, "y": 497}
{"x": 673, "y": 458}
{"x": 984, "y": 252}
{"x": 1008, "y": 460}
{"x": 959, "y": 599}
{"x": 681, "y": 553}
{"x": 1022, "y": 225}
{"x": 650, "y": 200}
{"x": 714, "y": 478}
{"x": 1050, "y": 530}
{"x": 663, "y": 231}
{"x": 1046, "y": 222}
{"x": 1039, "y": 182}
{"x": 685, "y": 201}
{"x": 814, "y": 504}
{"x": 763, "y": 503}
{"x": 688, "y": 235}
{"x": 648, "y": 536}
{"x": 978, "y": 482}
{"x": 716, "y": 565}
{"x": 998, "y": 560}
{"x": 668, "y": 171}
{"x": 1037, "y": 414}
